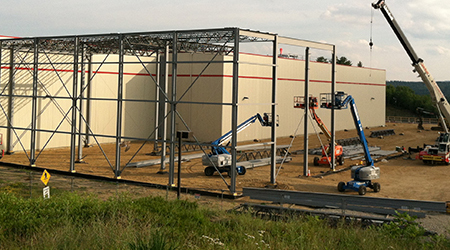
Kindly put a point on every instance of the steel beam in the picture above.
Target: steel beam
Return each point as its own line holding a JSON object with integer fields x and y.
{"x": 74, "y": 104}
{"x": 173, "y": 108}
{"x": 162, "y": 103}
{"x": 234, "y": 112}
{"x": 87, "y": 141}
{"x": 273, "y": 132}
{"x": 11, "y": 103}
{"x": 306, "y": 115}
{"x": 305, "y": 43}
{"x": 333, "y": 121}
{"x": 117, "y": 171}
{"x": 34, "y": 102}
{"x": 157, "y": 89}
{"x": 80, "y": 114}
{"x": 353, "y": 202}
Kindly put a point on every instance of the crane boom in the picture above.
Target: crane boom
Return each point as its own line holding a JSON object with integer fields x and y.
{"x": 359, "y": 128}
{"x": 437, "y": 96}
{"x": 364, "y": 174}
{"x": 321, "y": 125}
{"x": 218, "y": 149}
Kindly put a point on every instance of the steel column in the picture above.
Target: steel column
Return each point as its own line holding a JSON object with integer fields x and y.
{"x": 234, "y": 111}
{"x": 157, "y": 89}
{"x": 80, "y": 115}
{"x": 73, "y": 133}
{"x": 34, "y": 103}
{"x": 162, "y": 102}
{"x": 305, "y": 133}
{"x": 273, "y": 136}
{"x": 87, "y": 142}
{"x": 333, "y": 102}
{"x": 173, "y": 105}
{"x": 11, "y": 103}
{"x": 119, "y": 108}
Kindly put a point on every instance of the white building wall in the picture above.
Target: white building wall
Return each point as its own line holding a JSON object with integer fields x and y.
{"x": 50, "y": 111}
{"x": 138, "y": 118}
{"x": 213, "y": 84}
{"x": 367, "y": 86}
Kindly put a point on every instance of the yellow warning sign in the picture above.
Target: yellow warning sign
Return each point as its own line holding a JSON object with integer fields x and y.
{"x": 45, "y": 177}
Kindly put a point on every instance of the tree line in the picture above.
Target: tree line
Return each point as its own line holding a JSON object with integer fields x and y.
{"x": 411, "y": 96}
{"x": 339, "y": 60}
{"x": 404, "y": 97}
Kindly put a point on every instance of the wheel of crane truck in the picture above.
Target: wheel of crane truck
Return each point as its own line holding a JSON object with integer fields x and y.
{"x": 341, "y": 186}
{"x": 242, "y": 171}
{"x": 209, "y": 171}
{"x": 376, "y": 187}
{"x": 341, "y": 160}
{"x": 362, "y": 190}
{"x": 316, "y": 161}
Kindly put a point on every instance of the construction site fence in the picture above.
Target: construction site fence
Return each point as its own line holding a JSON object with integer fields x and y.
{"x": 403, "y": 119}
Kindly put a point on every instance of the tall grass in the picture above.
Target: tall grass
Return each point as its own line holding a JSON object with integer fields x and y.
{"x": 71, "y": 221}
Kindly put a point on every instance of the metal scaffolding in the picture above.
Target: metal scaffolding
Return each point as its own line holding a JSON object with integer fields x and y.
{"x": 68, "y": 61}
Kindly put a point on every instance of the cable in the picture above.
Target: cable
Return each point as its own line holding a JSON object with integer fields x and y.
{"x": 371, "y": 29}
{"x": 371, "y": 40}
{"x": 290, "y": 145}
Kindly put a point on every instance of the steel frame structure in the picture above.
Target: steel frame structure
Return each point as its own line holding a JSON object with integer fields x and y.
{"x": 35, "y": 56}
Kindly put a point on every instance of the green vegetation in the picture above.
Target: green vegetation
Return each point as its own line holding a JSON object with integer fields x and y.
{"x": 339, "y": 60}
{"x": 403, "y": 97}
{"x": 419, "y": 87}
{"x": 70, "y": 221}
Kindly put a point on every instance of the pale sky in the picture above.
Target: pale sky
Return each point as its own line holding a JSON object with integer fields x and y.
{"x": 344, "y": 23}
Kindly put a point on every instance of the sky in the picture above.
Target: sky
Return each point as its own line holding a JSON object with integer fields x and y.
{"x": 349, "y": 24}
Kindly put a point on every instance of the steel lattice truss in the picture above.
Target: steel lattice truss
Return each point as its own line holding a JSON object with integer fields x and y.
{"x": 38, "y": 59}
{"x": 143, "y": 44}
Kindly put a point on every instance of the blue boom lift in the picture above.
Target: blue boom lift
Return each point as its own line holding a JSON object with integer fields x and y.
{"x": 220, "y": 159}
{"x": 364, "y": 174}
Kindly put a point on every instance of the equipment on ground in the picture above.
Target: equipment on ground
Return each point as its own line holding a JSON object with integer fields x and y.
{"x": 362, "y": 175}
{"x": 2, "y": 147}
{"x": 220, "y": 159}
{"x": 441, "y": 151}
{"x": 299, "y": 102}
{"x": 421, "y": 112}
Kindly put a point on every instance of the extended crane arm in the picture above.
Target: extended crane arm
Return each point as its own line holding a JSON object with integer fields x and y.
{"x": 221, "y": 150}
{"x": 437, "y": 96}
{"x": 342, "y": 101}
{"x": 359, "y": 129}
{"x": 321, "y": 124}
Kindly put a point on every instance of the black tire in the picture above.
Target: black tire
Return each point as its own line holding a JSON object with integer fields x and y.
{"x": 209, "y": 171}
{"x": 316, "y": 161}
{"x": 376, "y": 187}
{"x": 244, "y": 170}
{"x": 341, "y": 186}
{"x": 341, "y": 160}
{"x": 362, "y": 190}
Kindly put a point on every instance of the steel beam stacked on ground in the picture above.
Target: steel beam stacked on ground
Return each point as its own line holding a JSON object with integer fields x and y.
{"x": 350, "y": 202}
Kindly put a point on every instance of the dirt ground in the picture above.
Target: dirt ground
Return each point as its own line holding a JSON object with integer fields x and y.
{"x": 400, "y": 177}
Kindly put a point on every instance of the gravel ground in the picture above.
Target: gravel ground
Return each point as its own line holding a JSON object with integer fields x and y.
{"x": 439, "y": 223}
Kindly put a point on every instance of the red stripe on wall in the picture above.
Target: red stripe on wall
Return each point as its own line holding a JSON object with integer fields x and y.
{"x": 215, "y": 76}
